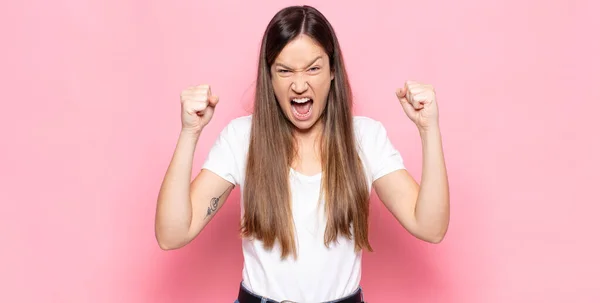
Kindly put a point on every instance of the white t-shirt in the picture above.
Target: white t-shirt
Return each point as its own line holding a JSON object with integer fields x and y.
{"x": 319, "y": 273}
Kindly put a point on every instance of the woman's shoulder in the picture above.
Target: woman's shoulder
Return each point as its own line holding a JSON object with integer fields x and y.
{"x": 239, "y": 124}
{"x": 364, "y": 120}
{"x": 364, "y": 125}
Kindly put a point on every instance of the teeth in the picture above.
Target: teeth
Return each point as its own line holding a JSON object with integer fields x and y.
{"x": 302, "y": 100}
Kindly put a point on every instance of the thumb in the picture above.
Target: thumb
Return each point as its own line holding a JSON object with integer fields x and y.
{"x": 401, "y": 93}
{"x": 213, "y": 100}
{"x": 408, "y": 108}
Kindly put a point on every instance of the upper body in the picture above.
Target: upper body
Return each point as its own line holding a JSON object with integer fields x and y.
{"x": 319, "y": 273}
{"x": 305, "y": 166}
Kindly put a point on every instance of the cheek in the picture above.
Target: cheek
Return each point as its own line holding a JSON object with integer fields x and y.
{"x": 280, "y": 91}
{"x": 322, "y": 87}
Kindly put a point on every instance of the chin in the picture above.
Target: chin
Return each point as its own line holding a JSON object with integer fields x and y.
{"x": 303, "y": 125}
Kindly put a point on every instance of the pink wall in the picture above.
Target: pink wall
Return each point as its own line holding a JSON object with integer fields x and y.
{"x": 90, "y": 117}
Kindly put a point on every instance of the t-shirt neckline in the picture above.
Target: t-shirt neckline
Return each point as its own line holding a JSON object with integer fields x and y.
{"x": 306, "y": 177}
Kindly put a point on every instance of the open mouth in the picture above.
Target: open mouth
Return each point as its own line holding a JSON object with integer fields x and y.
{"x": 302, "y": 107}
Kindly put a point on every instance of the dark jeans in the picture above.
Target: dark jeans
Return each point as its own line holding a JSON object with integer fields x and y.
{"x": 265, "y": 300}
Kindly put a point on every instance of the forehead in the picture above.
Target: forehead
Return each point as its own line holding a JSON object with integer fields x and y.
{"x": 300, "y": 52}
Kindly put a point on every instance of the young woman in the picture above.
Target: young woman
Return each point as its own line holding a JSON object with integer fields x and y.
{"x": 305, "y": 167}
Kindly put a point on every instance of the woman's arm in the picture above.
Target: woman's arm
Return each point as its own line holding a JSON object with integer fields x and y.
{"x": 423, "y": 210}
{"x": 184, "y": 208}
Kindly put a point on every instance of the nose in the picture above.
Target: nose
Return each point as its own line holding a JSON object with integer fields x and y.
{"x": 299, "y": 85}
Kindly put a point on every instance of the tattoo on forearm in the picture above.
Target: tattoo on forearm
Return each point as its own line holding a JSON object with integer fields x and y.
{"x": 214, "y": 203}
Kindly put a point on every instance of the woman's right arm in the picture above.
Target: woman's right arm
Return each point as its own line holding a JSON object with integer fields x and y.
{"x": 183, "y": 209}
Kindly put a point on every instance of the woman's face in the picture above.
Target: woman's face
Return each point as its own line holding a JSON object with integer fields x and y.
{"x": 301, "y": 78}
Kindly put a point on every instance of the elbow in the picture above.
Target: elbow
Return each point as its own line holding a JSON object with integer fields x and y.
{"x": 167, "y": 246}
{"x": 434, "y": 232}
{"x": 434, "y": 237}
{"x": 169, "y": 242}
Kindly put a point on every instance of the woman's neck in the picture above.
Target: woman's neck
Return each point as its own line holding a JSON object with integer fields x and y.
{"x": 308, "y": 152}
{"x": 310, "y": 134}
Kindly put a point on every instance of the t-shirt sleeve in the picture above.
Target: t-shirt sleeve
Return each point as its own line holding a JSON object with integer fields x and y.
{"x": 221, "y": 158}
{"x": 381, "y": 154}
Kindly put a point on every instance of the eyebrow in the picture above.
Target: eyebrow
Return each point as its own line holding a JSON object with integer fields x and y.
{"x": 286, "y": 67}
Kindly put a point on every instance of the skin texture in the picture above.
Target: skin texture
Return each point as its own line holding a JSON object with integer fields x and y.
{"x": 302, "y": 70}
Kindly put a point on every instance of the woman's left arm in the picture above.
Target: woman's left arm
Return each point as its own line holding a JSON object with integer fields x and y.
{"x": 423, "y": 210}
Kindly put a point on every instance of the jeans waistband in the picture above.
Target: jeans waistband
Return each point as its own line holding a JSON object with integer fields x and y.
{"x": 246, "y": 296}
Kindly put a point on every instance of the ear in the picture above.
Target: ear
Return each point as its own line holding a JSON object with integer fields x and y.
{"x": 332, "y": 75}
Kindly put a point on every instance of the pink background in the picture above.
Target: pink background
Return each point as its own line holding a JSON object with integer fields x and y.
{"x": 90, "y": 117}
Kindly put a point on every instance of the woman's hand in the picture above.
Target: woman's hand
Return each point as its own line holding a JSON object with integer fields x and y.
{"x": 419, "y": 103}
{"x": 197, "y": 108}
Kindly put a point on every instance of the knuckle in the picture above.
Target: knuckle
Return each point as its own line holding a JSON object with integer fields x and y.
{"x": 196, "y": 97}
{"x": 203, "y": 88}
{"x": 200, "y": 106}
{"x": 189, "y": 102}
{"x": 195, "y": 93}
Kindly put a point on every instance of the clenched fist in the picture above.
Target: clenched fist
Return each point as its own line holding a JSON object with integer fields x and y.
{"x": 419, "y": 103}
{"x": 197, "y": 107}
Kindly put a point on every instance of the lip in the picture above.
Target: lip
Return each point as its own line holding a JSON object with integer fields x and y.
{"x": 297, "y": 116}
{"x": 303, "y": 117}
{"x": 301, "y": 97}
